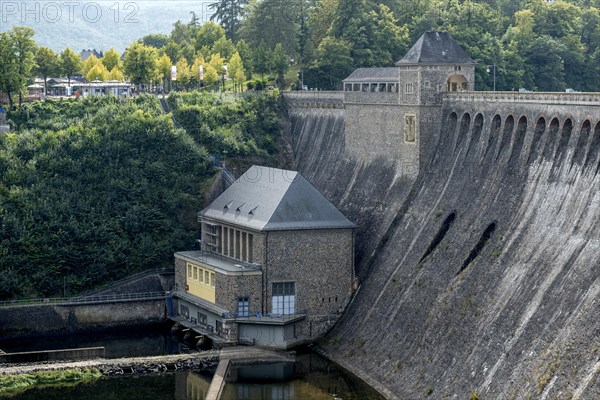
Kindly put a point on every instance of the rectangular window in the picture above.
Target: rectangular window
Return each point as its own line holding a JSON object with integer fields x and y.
{"x": 284, "y": 298}
{"x": 195, "y": 273}
{"x": 189, "y": 271}
{"x": 244, "y": 243}
{"x": 243, "y": 309}
{"x": 206, "y": 277}
{"x": 212, "y": 279}
{"x": 409, "y": 88}
{"x": 202, "y": 318}
{"x": 201, "y": 277}
{"x": 250, "y": 244}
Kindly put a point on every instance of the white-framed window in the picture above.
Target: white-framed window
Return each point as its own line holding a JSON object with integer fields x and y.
{"x": 409, "y": 88}
{"x": 243, "y": 309}
{"x": 284, "y": 298}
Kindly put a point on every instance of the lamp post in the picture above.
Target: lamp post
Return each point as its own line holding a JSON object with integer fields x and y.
{"x": 488, "y": 70}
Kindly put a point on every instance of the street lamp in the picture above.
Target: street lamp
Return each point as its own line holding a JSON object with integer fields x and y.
{"x": 488, "y": 70}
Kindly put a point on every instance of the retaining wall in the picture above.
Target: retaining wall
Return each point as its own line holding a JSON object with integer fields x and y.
{"x": 70, "y": 318}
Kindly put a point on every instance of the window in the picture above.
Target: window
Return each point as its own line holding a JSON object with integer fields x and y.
{"x": 189, "y": 271}
{"x": 410, "y": 128}
{"x": 243, "y": 309}
{"x": 207, "y": 277}
{"x": 201, "y": 276}
{"x": 212, "y": 279}
{"x": 284, "y": 298}
{"x": 195, "y": 273}
{"x": 202, "y": 318}
{"x": 409, "y": 88}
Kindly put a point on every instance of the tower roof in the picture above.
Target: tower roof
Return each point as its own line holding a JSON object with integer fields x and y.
{"x": 436, "y": 48}
{"x": 269, "y": 199}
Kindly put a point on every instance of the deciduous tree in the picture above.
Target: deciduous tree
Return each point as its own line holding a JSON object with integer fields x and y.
{"x": 140, "y": 64}
{"x": 70, "y": 63}
{"x": 111, "y": 59}
{"x": 47, "y": 64}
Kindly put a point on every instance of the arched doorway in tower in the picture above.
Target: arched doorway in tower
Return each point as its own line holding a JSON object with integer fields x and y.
{"x": 457, "y": 83}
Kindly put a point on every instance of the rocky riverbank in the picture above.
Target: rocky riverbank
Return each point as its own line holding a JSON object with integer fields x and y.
{"x": 203, "y": 361}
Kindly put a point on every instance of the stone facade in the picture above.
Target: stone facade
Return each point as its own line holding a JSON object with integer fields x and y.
{"x": 276, "y": 264}
{"x": 319, "y": 262}
{"x": 229, "y": 288}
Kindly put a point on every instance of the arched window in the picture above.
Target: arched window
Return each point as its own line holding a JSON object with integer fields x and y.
{"x": 457, "y": 83}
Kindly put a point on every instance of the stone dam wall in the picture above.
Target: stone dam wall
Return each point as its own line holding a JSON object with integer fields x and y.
{"x": 481, "y": 273}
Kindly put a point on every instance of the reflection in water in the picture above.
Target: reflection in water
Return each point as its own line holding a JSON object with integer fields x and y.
{"x": 191, "y": 386}
{"x": 310, "y": 377}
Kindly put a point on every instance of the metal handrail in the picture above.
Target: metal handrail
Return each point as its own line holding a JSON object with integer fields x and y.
{"x": 128, "y": 278}
{"x": 85, "y": 299}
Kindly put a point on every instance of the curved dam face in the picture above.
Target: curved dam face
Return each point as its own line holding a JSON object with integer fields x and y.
{"x": 481, "y": 273}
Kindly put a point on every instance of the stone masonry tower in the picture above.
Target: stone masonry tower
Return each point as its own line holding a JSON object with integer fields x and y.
{"x": 434, "y": 65}
{"x": 393, "y": 112}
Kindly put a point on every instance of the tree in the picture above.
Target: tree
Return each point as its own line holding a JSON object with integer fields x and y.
{"x": 320, "y": 17}
{"x": 228, "y": 14}
{"x": 195, "y": 69}
{"x": 208, "y": 34}
{"x": 261, "y": 60}
{"x": 272, "y": 21}
{"x": 236, "y": 69}
{"x": 111, "y": 59}
{"x": 333, "y": 63}
{"x": 246, "y": 55}
{"x": 89, "y": 63}
{"x": 156, "y": 40}
{"x": 115, "y": 74}
{"x": 218, "y": 64}
{"x": 172, "y": 50}
{"x": 48, "y": 64}
{"x": 279, "y": 64}
{"x": 9, "y": 81}
{"x": 97, "y": 72}
{"x": 25, "y": 49}
{"x": 163, "y": 65}
{"x": 140, "y": 63}
{"x": 183, "y": 72}
{"x": 210, "y": 76}
{"x": 224, "y": 47}
{"x": 70, "y": 63}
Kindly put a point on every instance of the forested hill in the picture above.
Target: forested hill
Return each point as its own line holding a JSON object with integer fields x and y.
{"x": 95, "y": 189}
{"x": 101, "y": 25}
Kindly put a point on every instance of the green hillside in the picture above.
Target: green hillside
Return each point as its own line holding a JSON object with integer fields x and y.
{"x": 96, "y": 189}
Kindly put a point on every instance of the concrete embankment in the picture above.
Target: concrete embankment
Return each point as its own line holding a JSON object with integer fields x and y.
{"x": 481, "y": 274}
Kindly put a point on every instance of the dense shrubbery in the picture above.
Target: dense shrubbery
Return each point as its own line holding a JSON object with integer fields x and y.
{"x": 245, "y": 125}
{"x": 93, "y": 190}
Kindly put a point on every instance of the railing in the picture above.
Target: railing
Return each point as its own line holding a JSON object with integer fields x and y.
{"x": 110, "y": 298}
{"x": 583, "y": 98}
{"x": 327, "y": 99}
{"x": 133, "y": 277}
{"x": 227, "y": 175}
{"x": 265, "y": 317}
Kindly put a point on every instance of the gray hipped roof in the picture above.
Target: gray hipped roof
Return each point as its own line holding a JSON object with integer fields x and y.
{"x": 267, "y": 199}
{"x": 381, "y": 75}
{"x": 436, "y": 48}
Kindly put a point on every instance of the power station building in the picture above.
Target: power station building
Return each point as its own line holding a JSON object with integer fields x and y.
{"x": 275, "y": 267}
